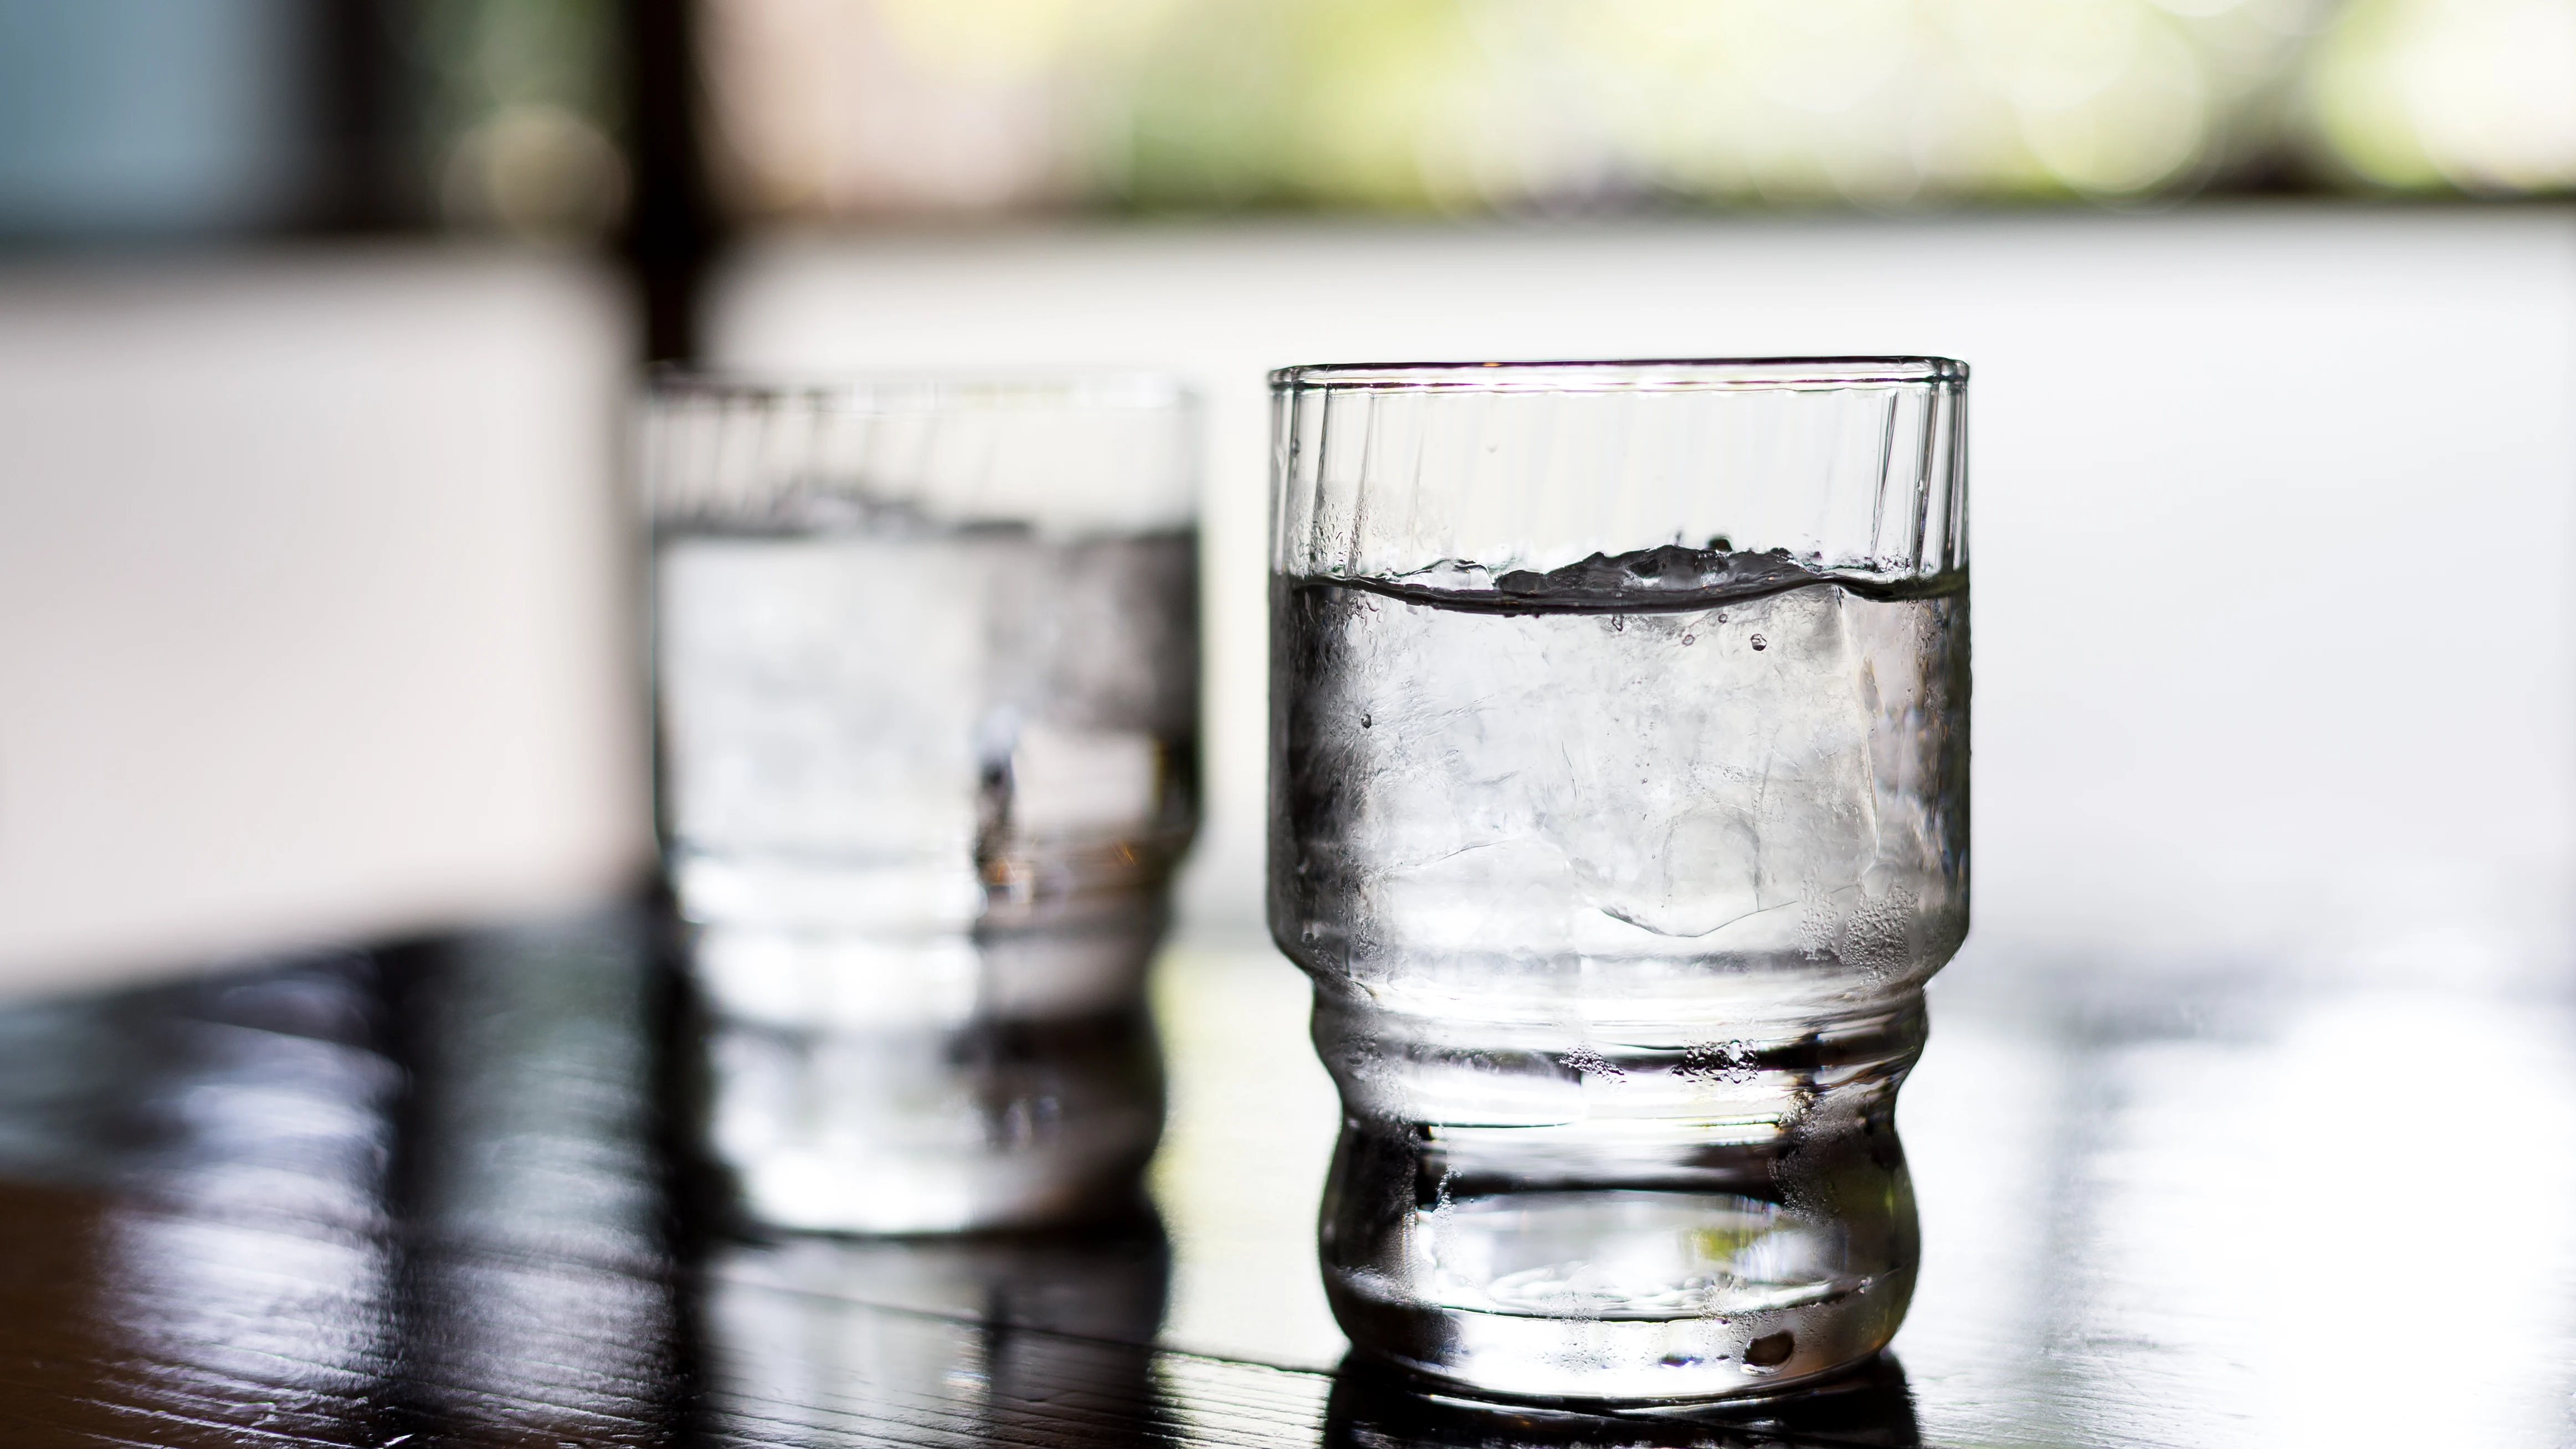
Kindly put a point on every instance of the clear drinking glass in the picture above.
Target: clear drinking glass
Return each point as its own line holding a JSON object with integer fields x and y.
{"x": 926, "y": 662}
{"x": 1619, "y": 812}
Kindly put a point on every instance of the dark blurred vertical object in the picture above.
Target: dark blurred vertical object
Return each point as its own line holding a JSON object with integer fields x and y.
{"x": 670, "y": 232}
{"x": 365, "y": 117}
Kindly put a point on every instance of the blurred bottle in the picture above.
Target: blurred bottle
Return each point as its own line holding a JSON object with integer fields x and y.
{"x": 927, "y": 657}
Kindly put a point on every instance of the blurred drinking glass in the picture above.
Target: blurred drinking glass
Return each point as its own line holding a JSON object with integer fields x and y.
{"x": 927, "y": 669}
{"x": 1619, "y": 769}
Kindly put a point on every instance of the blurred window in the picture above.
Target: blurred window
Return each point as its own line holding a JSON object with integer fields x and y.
{"x": 855, "y": 108}
{"x": 523, "y": 114}
{"x": 159, "y": 118}
{"x": 124, "y": 120}
{"x": 150, "y": 117}
{"x": 2473, "y": 95}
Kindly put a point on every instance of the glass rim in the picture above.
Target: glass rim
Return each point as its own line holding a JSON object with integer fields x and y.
{"x": 918, "y": 389}
{"x": 1660, "y": 374}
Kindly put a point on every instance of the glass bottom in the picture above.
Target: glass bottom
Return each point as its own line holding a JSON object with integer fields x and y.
{"x": 1382, "y": 1406}
{"x": 1549, "y": 1359}
{"x": 988, "y": 1127}
{"x": 998, "y": 1073}
{"x": 1621, "y": 1221}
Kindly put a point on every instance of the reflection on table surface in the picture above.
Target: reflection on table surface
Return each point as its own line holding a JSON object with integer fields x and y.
{"x": 424, "y": 1195}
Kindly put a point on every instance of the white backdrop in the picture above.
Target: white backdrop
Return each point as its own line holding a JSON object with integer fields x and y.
{"x": 312, "y": 617}
{"x": 312, "y": 612}
{"x": 2273, "y": 508}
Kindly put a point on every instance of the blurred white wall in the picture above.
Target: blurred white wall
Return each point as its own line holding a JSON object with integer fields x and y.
{"x": 2275, "y": 511}
{"x": 314, "y": 618}
{"x": 314, "y": 612}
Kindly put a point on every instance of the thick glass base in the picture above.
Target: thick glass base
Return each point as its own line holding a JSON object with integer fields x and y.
{"x": 1626, "y": 1361}
{"x": 1382, "y": 1407}
{"x": 1681, "y": 1224}
{"x": 984, "y": 1127}
{"x": 998, "y": 1074}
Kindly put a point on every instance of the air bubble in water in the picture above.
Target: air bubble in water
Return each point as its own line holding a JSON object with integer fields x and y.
{"x": 1761, "y": 643}
{"x": 1769, "y": 1351}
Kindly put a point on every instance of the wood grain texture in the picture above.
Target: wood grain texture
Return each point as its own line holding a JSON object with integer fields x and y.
{"x": 424, "y": 1196}
{"x": 420, "y": 1196}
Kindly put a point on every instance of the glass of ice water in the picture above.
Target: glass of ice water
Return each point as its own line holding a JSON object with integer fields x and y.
{"x": 1619, "y": 813}
{"x": 926, "y": 670}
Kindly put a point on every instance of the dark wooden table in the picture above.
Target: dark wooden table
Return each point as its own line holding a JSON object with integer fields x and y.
{"x": 422, "y": 1195}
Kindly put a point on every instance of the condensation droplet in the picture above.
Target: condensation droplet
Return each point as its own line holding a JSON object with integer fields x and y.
{"x": 1770, "y": 1350}
{"x": 1690, "y": 638}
